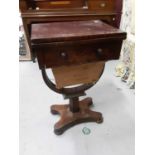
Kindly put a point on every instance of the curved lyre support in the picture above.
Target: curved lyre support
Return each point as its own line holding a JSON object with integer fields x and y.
{"x": 66, "y": 91}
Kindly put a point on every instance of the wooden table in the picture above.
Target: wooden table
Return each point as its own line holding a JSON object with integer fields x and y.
{"x": 74, "y": 43}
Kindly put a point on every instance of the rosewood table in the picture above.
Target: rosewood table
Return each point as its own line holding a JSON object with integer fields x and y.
{"x": 74, "y": 46}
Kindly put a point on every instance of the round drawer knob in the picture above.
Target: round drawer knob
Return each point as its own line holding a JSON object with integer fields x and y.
{"x": 37, "y": 8}
{"x": 85, "y": 7}
{"x": 102, "y": 5}
{"x": 63, "y": 54}
{"x": 99, "y": 50}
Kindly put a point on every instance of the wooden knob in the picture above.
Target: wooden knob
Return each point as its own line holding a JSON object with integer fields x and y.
{"x": 37, "y": 8}
{"x": 63, "y": 54}
{"x": 99, "y": 51}
{"x": 102, "y": 5}
{"x": 85, "y": 7}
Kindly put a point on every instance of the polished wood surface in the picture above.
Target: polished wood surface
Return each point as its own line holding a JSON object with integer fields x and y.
{"x": 68, "y": 43}
{"x": 74, "y": 30}
{"x": 77, "y": 53}
{"x": 64, "y": 5}
{"x": 57, "y": 4}
{"x": 102, "y": 5}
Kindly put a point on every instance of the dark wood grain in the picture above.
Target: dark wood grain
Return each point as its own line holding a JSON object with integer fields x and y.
{"x": 74, "y": 30}
{"x": 68, "y": 43}
{"x": 50, "y": 55}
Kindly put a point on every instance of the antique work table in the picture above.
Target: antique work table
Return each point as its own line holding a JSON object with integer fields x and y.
{"x": 74, "y": 39}
{"x": 59, "y": 44}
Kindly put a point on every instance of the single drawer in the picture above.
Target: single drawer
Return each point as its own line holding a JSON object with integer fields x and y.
{"x": 58, "y": 4}
{"x": 72, "y": 43}
{"x": 50, "y": 55}
{"x": 102, "y": 5}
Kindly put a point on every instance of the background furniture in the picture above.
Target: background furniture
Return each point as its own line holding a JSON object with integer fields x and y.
{"x": 34, "y": 11}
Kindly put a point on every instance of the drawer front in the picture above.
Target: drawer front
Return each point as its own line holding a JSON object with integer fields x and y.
{"x": 59, "y": 4}
{"x": 54, "y": 56}
{"x": 102, "y": 5}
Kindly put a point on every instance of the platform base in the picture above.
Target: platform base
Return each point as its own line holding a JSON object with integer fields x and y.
{"x": 69, "y": 118}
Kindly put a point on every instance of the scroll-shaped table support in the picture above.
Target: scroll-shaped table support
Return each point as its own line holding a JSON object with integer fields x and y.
{"x": 76, "y": 111}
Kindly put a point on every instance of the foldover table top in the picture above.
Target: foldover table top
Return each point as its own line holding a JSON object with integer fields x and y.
{"x": 72, "y": 31}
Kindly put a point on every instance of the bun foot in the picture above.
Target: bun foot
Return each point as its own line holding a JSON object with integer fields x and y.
{"x": 54, "y": 112}
{"x": 58, "y": 131}
{"x": 100, "y": 120}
